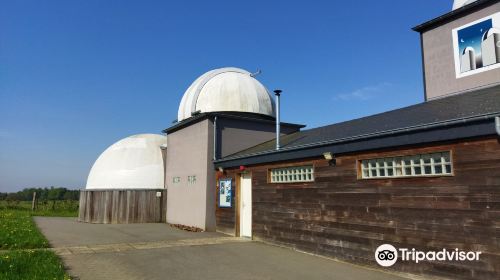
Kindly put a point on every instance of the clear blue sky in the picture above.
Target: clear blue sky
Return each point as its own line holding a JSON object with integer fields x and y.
{"x": 76, "y": 76}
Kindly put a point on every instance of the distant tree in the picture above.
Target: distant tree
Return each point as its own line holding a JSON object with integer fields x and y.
{"x": 43, "y": 194}
{"x": 71, "y": 195}
{"x": 54, "y": 195}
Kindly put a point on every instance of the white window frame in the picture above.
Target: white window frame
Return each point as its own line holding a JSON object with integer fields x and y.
{"x": 418, "y": 165}
{"x": 292, "y": 174}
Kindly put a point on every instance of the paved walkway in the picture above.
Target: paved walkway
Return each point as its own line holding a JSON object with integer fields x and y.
{"x": 121, "y": 247}
{"x": 158, "y": 251}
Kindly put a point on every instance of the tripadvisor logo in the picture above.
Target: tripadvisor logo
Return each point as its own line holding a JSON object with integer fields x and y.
{"x": 387, "y": 255}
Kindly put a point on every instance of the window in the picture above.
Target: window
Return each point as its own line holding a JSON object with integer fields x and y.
{"x": 292, "y": 174}
{"x": 434, "y": 164}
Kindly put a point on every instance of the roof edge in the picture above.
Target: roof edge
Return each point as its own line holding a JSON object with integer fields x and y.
{"x": 454, "y": 14}
{"x": 247, "y": 116}
{"x": 428, "y": 126}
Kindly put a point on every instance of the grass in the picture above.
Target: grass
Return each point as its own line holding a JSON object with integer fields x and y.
{"x": 23, "y": 248}
{"x": 18, "y": 231}
{"x": 61, "y": 208}
{"x": 31, "y": 264}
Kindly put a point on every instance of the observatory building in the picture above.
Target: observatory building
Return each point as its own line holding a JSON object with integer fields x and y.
{"x": 222, "y": 112}
{"x": 127, "y": 182}
{"x": 425, "y": 176}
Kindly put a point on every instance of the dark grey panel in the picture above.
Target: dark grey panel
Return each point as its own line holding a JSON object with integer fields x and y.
{"x": 237, "y": 134}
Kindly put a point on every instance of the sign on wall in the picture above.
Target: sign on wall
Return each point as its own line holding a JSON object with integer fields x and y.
{"x": 477, "y": 46}
{"x": 225, "y": 193}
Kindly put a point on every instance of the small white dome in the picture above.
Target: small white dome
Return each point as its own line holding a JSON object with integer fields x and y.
{"x": 226, "y": 89}
{"x": 135, "y": 162}
{"x": 460, "y": 3}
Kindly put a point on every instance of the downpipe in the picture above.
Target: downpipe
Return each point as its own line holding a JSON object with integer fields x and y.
{"x": 278, "y": 121}
{"x": 215, "y": 138}
{"x": 497, "y": 125}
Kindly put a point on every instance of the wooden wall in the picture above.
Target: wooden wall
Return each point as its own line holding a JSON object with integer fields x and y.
{"x": 226, "y": 217}
{"x": 122, "y": 206}
{"x": 344, "y": 217}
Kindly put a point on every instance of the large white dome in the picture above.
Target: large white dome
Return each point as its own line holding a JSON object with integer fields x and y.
{"x": 135, "y": 162}
{"x": 226, "y": 89}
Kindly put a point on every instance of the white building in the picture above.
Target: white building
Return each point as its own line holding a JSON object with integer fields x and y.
{"x": 490, "y": 47}
{"x": 468, "y": 60}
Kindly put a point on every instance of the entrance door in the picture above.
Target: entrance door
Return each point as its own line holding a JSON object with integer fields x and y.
{"x": 246, "y": 205}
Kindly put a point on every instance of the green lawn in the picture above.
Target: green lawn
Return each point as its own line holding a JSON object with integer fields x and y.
{"x": 31, "y": 264}
{"x": 23, "y": 253}
{"x": 61, "y": 208}
{"x": 18, "y": 231}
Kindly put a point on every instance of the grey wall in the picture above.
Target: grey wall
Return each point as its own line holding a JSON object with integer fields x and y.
{"x": 210, "y": 201}
{"x": 188, "y": 155}
{"x": 439, "y": 61}
{"x": 164, "y": 156}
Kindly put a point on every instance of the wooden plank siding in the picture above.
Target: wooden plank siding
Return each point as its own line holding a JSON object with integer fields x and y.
{"x": 122, "y": 206}
{"x": 342, "y": 216}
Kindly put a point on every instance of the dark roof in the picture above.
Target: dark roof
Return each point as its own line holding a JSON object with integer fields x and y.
{"x": 456, "y": 109}
{"x": 230, "y": 115}
{"x": 460, "y": 12}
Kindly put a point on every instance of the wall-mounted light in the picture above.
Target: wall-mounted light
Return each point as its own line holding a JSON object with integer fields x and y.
{"x": 220, "y": 169}
{"x": 330, "y": 158}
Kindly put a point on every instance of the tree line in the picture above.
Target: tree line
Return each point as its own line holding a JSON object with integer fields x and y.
{"x": 42, "y": 194}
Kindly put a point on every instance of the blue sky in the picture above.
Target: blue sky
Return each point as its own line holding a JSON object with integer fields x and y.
{"x": 76, "y": 76}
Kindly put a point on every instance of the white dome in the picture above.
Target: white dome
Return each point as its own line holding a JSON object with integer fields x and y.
{"x": 226, "y": 89}
{"x": 460, "y": 3}
{"x": 135, "y": 162}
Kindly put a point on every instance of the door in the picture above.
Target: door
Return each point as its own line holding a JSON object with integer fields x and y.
{"x": 246, "y": 205}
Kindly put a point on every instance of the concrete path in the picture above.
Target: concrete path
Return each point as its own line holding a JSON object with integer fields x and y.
{"x": 68, "y": 232}
{"x": 158, "y": 251}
